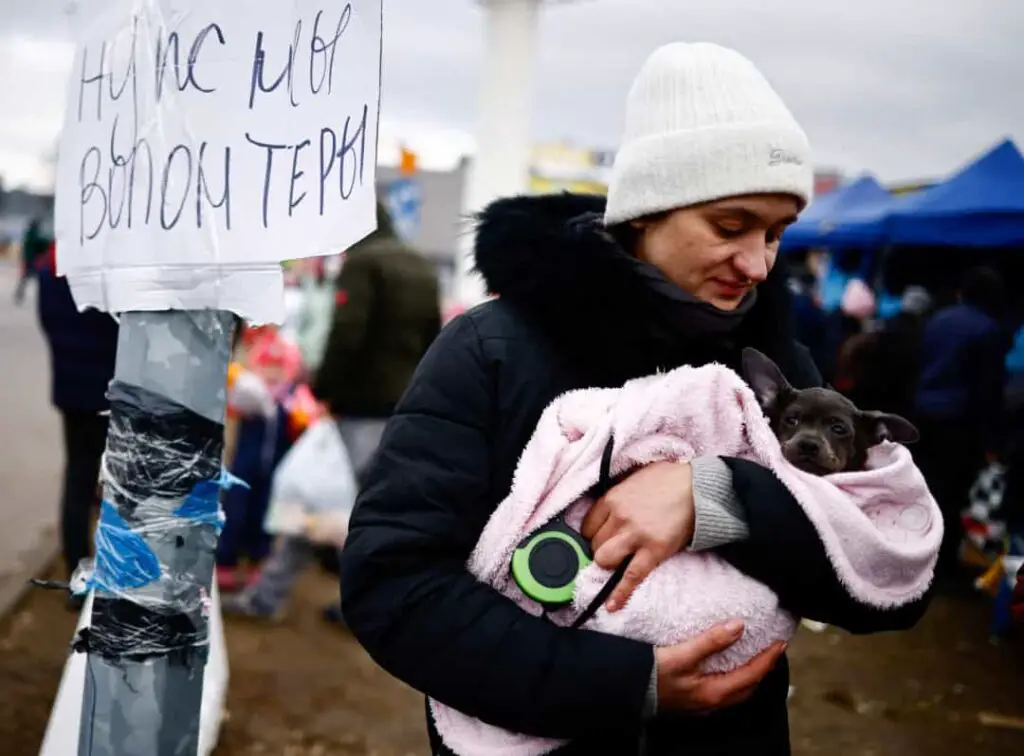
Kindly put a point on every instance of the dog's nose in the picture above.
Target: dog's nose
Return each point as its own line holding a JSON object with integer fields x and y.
{"x": 808, "y": 446}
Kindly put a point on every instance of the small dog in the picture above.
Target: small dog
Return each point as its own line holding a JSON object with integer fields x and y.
{"x": 820, "y": 430}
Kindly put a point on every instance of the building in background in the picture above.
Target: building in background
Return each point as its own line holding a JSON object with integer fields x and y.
{"x": 17, "y": 208}
{"x": 403, "y": 196}
{"x": 436, "y": 223}
{"x": 439, "y": 223}
{"x": 562, "y": 167}
{"x": 427, "y": 204}
{"x": 826, "y": 180}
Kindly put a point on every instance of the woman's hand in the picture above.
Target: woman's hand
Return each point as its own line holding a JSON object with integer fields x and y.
{"x": 683, "y": 687}
{"x": 650, "y": 515}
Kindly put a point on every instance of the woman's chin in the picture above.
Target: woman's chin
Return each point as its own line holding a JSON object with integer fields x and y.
{"x": 725, "y": 304}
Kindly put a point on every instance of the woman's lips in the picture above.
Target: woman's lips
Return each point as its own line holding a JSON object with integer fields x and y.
{"x": 730, "y": 289}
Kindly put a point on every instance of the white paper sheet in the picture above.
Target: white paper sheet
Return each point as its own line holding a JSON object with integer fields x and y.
{"x": 205, "y": 141}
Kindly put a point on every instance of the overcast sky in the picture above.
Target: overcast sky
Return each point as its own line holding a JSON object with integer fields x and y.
{"x": 903, "y": 88}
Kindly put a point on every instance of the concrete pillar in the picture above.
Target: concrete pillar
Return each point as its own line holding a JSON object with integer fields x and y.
{"x": 501, "y": 164}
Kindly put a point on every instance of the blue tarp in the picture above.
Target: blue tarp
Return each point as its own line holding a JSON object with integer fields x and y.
{"x": 981, "y": 206}
{"x": 817, "y": 221}
{"x": 866, "y": 226}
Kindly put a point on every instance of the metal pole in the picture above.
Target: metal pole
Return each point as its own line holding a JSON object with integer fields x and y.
{"x": 147, "y": 643}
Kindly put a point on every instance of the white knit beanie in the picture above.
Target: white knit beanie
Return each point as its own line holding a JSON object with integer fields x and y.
{"x": 702, "y": 123}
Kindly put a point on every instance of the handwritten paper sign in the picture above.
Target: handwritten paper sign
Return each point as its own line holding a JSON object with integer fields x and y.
{"x": 205, "y": 141}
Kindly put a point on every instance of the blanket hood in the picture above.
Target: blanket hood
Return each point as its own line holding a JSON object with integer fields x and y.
{"x": 551, "y": 258}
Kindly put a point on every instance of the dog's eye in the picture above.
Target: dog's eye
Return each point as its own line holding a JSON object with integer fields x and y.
{"x": 792, "y": 420}
{"x": 839, "y": 430}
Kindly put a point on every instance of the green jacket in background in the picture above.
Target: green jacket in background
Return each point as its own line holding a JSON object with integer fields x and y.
{"x": 34, "y": 244}
{"x": 387, "y": 314}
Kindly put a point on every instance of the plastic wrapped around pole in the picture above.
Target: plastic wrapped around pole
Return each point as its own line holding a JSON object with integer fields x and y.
{"x": 162, "y": 474}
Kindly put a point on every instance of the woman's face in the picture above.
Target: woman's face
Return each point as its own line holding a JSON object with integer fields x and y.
{"x": 718, "y": 251}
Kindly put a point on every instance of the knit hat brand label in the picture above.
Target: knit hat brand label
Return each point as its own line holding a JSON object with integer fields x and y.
{"x": 779, "y": 156}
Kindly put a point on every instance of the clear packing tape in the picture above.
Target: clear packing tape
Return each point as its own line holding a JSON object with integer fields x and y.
{"x": 162, "y": 476}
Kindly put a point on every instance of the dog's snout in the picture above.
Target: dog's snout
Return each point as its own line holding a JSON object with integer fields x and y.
{"x": 808, "y": 446}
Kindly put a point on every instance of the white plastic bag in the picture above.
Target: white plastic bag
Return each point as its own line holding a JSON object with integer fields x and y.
{"x": 314, "y": 488}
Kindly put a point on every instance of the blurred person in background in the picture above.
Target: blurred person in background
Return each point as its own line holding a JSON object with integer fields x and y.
{"x": 1011, "y": 509}
{"x": 848, "y": 321}
{"x": 83, "y": 348}
{"x": 676, "y": 268}
{"x": 958, "y": 400}
{"x": 1015, "y": 368}
{"x": 314, "y": 321}
{"x": 262, "y": 437}
{"x": 809, "y": 319}
{"x": 879, "y": 368}
{"x": 387, "y": 313}
{"x": 34, "y": 246}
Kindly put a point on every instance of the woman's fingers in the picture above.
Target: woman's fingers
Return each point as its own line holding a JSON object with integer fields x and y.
{"x": 724, "y": 689}
{"x": 605, "y": 533}
{"x": 615, "y": 550}
{"x": 740, "y": 696}
{"x": 688, "y": 654}
{"x": 640, "y": 567}
{"x": 595, "y": 519}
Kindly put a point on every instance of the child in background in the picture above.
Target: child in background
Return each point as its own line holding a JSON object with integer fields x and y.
{"x": 259, "y": 405}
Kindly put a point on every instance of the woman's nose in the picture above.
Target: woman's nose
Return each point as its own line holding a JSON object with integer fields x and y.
{"x": 752, "y": 262}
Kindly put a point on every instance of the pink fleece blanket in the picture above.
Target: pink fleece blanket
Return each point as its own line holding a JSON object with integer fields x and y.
{"x": 880, "y": 527}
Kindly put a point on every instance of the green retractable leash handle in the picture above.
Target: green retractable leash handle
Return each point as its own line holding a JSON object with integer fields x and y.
{"x": 546, "y": 563}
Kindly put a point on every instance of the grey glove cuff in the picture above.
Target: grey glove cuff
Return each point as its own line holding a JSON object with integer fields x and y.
{"x": 651, "y": 701}
{"x": 718, "y": 515}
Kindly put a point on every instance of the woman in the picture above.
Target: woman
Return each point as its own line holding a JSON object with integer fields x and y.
{"x": 713, "y": 168}
{"x": 83, "y": 348}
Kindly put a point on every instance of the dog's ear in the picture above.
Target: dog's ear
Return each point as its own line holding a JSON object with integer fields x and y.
{"x": 765, "y": 378}
{"x": 883, "y": 426}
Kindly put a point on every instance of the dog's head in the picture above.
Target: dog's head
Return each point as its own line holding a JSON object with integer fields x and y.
{"x": 820, "y": 430}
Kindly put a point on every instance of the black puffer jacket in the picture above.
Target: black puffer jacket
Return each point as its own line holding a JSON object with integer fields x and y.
{"x": 572, "y": 313}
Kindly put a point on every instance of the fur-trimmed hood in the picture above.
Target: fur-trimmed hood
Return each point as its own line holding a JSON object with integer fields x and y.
{"x": 551, "y": 259}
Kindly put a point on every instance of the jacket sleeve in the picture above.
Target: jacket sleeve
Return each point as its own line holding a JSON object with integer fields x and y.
{"x": 784, "y": 552}
{"x": 782, "y": 548}
{"x": 411, "y": 603}
{"x": 349, "y": 325}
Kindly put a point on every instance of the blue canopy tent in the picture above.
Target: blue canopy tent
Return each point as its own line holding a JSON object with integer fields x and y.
{"x": 866, "y": 226}
{"x": 981, "y": 206}
{"x": 804, "y": 232}
{"x": 818, "y": 229}
{"x": 817, "y": 220}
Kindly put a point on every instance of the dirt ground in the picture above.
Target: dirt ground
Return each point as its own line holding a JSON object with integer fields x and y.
{"x": 305, "y": 688}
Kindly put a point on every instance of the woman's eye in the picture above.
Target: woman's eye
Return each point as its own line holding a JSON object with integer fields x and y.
{"x": 773, "y": 235}
{"x": 730, "y": 231}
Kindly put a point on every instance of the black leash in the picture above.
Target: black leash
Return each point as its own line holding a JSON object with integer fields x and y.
{"x": 604, "y": 485}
